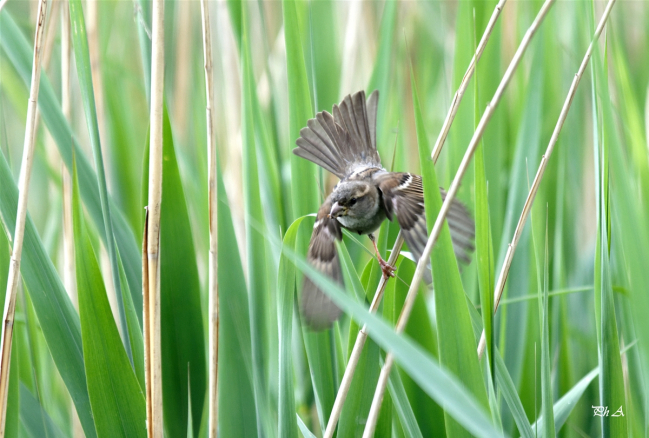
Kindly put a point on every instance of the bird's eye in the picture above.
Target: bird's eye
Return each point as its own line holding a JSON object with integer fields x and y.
{"x": 352, "y": 201}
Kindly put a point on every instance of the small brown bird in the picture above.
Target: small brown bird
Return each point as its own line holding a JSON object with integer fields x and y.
{"x": 345, "y": 144}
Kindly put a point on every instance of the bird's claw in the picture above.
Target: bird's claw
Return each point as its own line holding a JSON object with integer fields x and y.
{"x": 388, "y": 270}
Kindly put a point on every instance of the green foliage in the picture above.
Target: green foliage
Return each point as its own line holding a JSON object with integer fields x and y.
{"x": 276, "y": 64}
{"x": 116, "y": 397}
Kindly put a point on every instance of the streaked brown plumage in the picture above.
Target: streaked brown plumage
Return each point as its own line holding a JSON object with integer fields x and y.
{"x": 345, "y": 144}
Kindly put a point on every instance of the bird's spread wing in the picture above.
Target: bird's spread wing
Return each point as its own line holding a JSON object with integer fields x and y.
{"x": 343, "y": 142}
{"x": 317, "y": 308}
{"x": 403, "y": 197}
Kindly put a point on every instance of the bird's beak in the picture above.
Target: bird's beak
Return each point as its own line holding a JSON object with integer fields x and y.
{"x": 336, "y": 209}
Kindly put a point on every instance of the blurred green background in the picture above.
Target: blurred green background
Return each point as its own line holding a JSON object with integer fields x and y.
{"x": 275, "y": 65}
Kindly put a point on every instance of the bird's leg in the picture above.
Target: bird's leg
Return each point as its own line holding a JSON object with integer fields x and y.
{"x": 388, "y": 270}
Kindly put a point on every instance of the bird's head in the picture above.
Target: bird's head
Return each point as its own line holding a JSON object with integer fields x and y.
{"x": 353, "y": 198}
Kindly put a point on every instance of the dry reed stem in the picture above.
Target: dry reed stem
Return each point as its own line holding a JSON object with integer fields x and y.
{"x": 450, "y": 196}
{"x": 19, "y": 233}
{"x": 457, "y": 98}
{"x": 213, "y": 288}
{"x": 502, "y": 278}
{"x": 146, "y": 320}
{"x": 152, "y": 291}
{"x": 346, "y": 382}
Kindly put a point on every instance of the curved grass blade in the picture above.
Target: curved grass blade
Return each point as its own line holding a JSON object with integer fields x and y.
{"x": 116, "y": 397}
{"x": 305, "y": 430}
{"x": 454, "y": 330}
{"x": 563, "y": 407}
{"x": 56, "y": 314}
{"x": 438, "y": 382}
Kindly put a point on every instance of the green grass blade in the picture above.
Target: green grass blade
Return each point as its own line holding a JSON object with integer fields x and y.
{"x": 508, "y": 390}
{"x": 402, "y": 406}
{"x": 305, "y": 430}
{"x": 255, "y": 244}
{"x": 304, "y": 196}
{"x": 457, "y": 344}
{"x": 504, "y": 382}
{"x": 611, "y": 382}
{"x": 359, "y": 398}
{"x": 35, "y": 421}
{"x": 546, "y": 384}
{"x": 19, "y": 52}
{"x": 630, "y": 181}
{"x": 380, "y": 79}
{"x": 484, "y": 249}
{"x": 326, "y": 56}
{"x": 183, "y": 337}
{"x": 438, "y": 382}
{"x": 429, "y": 414}
{"x": 143, "y": 20}
{"x": 116, "y": 397}
{"x": 58, "y": 319}
{"x": 563, "y": 407}
{"x": 287, "y": 426}
{"x": 134, "y": 330}
{"x": 82, "y": 61}
{"x": 236, "y": 396}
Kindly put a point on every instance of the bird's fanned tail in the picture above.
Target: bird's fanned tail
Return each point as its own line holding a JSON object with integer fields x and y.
{"x": 344, "y": 141}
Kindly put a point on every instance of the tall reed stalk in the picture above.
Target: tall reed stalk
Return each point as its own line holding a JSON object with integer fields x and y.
{"x": 152, "y": 285}
{"x": 19, "y": 232}
{"x": 213, "y": 286}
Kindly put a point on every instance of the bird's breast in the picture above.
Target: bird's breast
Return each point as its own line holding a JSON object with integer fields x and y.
{"x": 365, "y": 224}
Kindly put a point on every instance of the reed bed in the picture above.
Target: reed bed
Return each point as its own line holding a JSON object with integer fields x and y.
{"x": 127, "y": 318}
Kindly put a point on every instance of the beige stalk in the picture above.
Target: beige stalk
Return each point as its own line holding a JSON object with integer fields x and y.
{"x": 213, "y": 288}
{"x": 151, "y": 287}
{"x": 19, "y": 233}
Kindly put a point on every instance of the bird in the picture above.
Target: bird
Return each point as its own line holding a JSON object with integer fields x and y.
{"x": 344, "y": 143}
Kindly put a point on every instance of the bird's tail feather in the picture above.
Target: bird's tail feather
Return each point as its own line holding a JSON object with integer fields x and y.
{"x": 345, "y": 140}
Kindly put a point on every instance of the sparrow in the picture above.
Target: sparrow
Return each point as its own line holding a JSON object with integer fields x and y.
{"x": 344, "y": 143}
